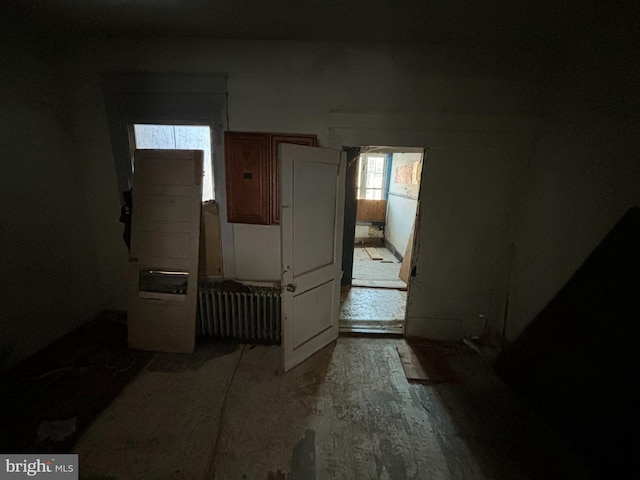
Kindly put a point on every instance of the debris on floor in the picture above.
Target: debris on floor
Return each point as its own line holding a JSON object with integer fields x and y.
{"x": 383, "y": 273}
{"x": 48, "y": 400}
{"x": 427, "y": 363}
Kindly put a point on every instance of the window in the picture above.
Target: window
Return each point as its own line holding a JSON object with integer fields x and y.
{"x": 179, "y": 137}
{"x": 372, "y": 178}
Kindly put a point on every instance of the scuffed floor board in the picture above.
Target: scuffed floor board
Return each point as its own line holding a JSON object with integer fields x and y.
{"x": 367, "y": 270}
{"x": 373, "y": 253}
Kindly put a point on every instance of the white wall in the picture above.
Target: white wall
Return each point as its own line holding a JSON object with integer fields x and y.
{"x": 278, "y": 87}
{"x": 477, "y": 101}
{"x": 468, "y": 204}
{"x": 401, "y": 212}
{"x": 50, "y": 275}
{"x": 401, "y": 204}
{"x": 257, "y": 252}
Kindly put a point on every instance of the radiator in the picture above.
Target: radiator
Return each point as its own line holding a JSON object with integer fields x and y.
{"x": 252, "y": 315}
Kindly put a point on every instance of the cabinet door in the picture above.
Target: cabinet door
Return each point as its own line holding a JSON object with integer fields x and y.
{"x": 275, "y": 140}
{"x": 247, "y": 177}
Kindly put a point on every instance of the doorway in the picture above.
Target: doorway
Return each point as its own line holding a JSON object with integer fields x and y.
{"x": 385, "y": 184}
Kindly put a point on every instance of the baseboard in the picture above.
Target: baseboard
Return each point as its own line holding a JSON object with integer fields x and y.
{"x": 436, "y": 328}
{"x": 393, "y": 250}
{"x": 370, "y": 332}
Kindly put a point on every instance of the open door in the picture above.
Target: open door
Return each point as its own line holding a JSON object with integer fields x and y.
{"x": 165, "y": 233}
{"x": 312, "y": 198}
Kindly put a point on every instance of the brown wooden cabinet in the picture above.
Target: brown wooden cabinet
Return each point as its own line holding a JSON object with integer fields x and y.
{"x": 252, "y": 175}
{"x": 247, "y": 172}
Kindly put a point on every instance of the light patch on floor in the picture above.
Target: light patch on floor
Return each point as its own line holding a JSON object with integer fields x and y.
{"x": 364, "y": 268}
{"x": 165, "y": 423}
{"x": 373, "y": 304}
{"x": 373, "y": 308}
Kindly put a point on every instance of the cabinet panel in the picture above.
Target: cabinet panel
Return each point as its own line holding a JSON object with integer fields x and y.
{"x": 275, "y": 140}
{"x": 252, "y": 175}
{"x": 247, "y": 177}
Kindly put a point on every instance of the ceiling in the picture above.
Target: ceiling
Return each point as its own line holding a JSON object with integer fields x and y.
{"x": 542, "y": 24}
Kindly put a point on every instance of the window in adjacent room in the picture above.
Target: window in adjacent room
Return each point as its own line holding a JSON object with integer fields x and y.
{"x": 179, "y": 137}
{"x": 372, "y": 177}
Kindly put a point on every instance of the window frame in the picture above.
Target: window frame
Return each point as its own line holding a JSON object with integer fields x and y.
{"x": 156, "y": 98}
{"x": 363, "y": 163}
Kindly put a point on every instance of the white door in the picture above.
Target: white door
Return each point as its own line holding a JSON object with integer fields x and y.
{"x": 312, "y": 197}
{"x": 165, "y": 233}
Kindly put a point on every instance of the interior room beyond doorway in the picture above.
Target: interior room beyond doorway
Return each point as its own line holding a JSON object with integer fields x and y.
{"x": 388, "y": 184}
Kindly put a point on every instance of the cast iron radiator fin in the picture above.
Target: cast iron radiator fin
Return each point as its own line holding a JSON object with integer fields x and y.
{"x": 242, "y": 312}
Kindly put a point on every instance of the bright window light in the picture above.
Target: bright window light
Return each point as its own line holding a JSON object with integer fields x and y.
{"x": 371, "y": 180}
{"x": 179, "y": 137}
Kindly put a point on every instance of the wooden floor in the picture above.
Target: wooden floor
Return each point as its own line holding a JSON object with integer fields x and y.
{"x": 347, "y": 413}
{"x": 376, "y": 301}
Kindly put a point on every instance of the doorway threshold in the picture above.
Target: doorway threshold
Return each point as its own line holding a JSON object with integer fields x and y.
{"x": 372, "y": 327}
{"x": 394, "y": 284}
{"x": 371, "y": 332}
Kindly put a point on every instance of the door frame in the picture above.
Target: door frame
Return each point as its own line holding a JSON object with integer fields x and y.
{"x": 350, "y": 205}
{"x": 433, "y": 130}
{"x": 350, "y": 210}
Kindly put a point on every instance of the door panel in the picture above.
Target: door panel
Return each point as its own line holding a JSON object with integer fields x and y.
{"x": 165, "y": 234}
{"x": 164, "y": 171}
{"x": 312, "y": 195}
{"x": 317, "y": 304}
{"x": 315, "y": 186}
{"x": 170, "y": 208}
{"x": 247, "y": 177}
{"x": 275, "y": 141}
{"x": 162, "y": 244}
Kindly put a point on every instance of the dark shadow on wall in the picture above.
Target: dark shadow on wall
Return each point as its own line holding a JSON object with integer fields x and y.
{"x": 349, "y": 229}
{"x": 576, "y": 364}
